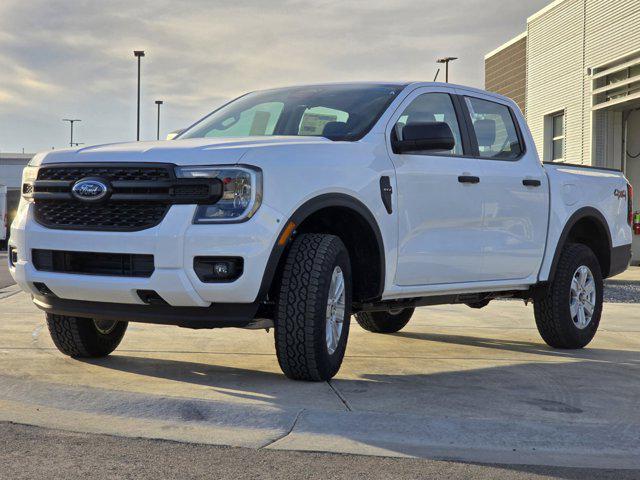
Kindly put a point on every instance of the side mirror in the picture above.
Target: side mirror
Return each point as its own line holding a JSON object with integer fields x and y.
{"x": 425, "y": 136}
{"x": 175, "y": 133}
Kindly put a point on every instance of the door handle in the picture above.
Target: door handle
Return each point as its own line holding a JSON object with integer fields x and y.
{"x": 530, "y": 182}
{"x": 468, "y": 179}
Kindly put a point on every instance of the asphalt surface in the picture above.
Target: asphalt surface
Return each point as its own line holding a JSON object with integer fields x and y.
{"x": 35, "y": 453}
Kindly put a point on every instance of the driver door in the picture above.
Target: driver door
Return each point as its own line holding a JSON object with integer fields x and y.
{"x": 439, "y": 199}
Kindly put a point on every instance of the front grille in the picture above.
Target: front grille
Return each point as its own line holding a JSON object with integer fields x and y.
{"x": 113, "y": 174}
{"x": 138, "y": 195}
{"x": 93, "y": 263}
{"x": 121, "y": 216}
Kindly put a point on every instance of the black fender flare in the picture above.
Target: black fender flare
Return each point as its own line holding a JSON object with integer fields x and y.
{"x": 580, "y": 214}
{"x": 306, "y": 210}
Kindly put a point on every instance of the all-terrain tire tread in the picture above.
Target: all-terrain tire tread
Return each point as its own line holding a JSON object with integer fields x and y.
{"x": 303, "y": 278}
{"x": 549, "y": 306}
{"x": 78, "y": 338}
{"x": 383, "y": 322}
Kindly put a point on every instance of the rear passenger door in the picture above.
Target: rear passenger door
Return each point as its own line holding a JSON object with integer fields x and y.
{"x": 439, "y": 208}
{"x": 515, "y": 191}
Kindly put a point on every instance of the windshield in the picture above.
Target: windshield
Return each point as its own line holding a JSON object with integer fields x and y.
{"x": 337, "y": 112}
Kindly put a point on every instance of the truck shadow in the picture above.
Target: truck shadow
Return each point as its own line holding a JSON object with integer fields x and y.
{"x": 564, "y": 389}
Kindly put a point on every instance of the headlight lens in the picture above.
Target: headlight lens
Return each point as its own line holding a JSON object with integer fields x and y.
{"x": 241, "y": 194}
{"x": 29, "y": 175}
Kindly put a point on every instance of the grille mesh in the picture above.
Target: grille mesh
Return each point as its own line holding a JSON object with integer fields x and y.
{"x": 110, "y": 216}
{"x": 113, "y": 174}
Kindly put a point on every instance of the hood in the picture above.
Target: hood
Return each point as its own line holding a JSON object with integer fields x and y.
{"x": 192, "y": 151}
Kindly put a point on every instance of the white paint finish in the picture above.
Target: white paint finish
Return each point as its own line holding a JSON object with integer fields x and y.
{"x": 440, "y": 219}
{"x": 596, "y": 190}
{"x": 515, "y": 216}
{"x": 443, "y": 236}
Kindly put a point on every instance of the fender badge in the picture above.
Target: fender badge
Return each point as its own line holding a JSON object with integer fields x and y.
{"x": 620, "y": 194}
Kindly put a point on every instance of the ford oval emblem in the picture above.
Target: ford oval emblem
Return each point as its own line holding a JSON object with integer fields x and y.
{"x": 90, "y": 190}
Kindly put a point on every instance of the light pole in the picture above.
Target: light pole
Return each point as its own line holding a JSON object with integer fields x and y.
{"x": 446, "y": 61}
{"x": 158, "y": 103}
{"x": 139, "y": 54}
{"x": 71, "y": 122}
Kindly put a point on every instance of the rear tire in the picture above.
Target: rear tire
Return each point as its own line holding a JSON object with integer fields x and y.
{"x": 384, "y": 322}
{"x": 84, "y": 337}
{"x": 568, "y": 311}
{"x": 311, "y": 329}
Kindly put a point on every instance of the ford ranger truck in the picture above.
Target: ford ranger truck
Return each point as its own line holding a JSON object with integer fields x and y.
{"x": 298, "y": 208}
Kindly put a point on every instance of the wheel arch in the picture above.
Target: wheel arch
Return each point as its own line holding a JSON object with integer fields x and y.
{"x": 329, "y": 213}
{"x": 587, "y": 226}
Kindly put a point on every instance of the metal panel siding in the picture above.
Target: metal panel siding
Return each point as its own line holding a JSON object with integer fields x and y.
{"x": 555, "y": 73}
{"x": 562, "y": 43}
{"x": 611, "y": 30}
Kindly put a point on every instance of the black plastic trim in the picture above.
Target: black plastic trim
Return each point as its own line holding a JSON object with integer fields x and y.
{"x": 620, "y": 259}
{"x": 216, "y": 316}
{"x": 386, "y": 193}
{"x": 308, "y": 208}
{"x": 586, "y": 212}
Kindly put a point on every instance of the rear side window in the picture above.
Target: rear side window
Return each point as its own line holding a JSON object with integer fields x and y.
{"x": 495, "y": 129}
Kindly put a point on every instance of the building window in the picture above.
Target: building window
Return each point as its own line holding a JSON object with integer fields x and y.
{"x": 557, "y": 147}
{"x": 554, "y": 137}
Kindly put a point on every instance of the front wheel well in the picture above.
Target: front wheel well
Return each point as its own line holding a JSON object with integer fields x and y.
{"x": 363, "y": 242}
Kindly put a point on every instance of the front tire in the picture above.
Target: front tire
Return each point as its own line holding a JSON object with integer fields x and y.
{"x": 568, "y": 312}
{"x": 385, "y": 322}
{"x": 313, "y": 308}
{"x": 85, "y": 337}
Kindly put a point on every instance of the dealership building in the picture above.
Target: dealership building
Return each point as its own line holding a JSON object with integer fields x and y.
{"x": 575, "y": 73}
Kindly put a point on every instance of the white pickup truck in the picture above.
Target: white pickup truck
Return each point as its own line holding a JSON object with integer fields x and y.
{"x": 296, "y": 208}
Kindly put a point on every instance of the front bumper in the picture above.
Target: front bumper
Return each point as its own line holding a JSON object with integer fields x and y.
{"x": 174, "y": 243}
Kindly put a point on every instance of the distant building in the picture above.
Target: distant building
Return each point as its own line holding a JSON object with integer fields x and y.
{"x": 581, "y": 80}
{"x": 11, "y": 165}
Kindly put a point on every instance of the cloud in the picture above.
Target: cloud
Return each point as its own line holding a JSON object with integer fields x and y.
{"x": 60, "y": 58}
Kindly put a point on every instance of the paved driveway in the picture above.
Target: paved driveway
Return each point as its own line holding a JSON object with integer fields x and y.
{"x": 458, "y": 383}
{"x": 5, "y": 278}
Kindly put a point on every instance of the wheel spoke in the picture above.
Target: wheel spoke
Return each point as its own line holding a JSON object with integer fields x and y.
{"x": 590, "y": 287}
{"x": 339, "y": 289}
{"x": 589, "y": 307}
{"x": 335, "y": 310}
{"x": 582, "y": 320}
{"x": 574, "y": 309}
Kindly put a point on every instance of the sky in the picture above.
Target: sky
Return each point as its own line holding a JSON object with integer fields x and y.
{"x": 74, "y": 58}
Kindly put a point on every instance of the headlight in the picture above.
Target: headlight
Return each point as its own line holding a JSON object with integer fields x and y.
{"x": 241, "y": 192}
{"x": 29, "y": 175}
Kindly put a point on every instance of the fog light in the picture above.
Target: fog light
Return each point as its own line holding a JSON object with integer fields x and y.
{"x": 13, "y": 256}
{"x": 218, "y": 269}
{"x": 43, "y": 289}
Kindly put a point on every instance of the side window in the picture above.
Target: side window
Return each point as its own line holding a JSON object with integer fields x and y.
{"x": 494, "y": 128}
{"x": 432, "y": 107}
{"x": 256, "y": 121}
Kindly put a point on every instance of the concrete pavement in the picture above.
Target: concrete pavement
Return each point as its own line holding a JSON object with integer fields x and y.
{"x": 5, "y": 278}
{"x": 470, "y": 385}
